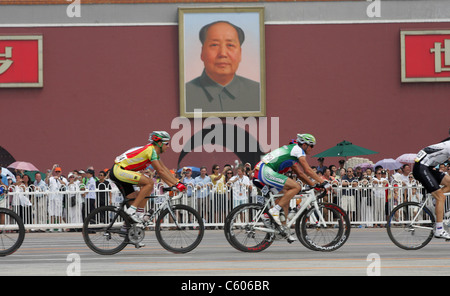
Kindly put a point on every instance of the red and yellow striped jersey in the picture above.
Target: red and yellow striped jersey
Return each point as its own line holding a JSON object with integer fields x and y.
{"x": 138, "y": 158}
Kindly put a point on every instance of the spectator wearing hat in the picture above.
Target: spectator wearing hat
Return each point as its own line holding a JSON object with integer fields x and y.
{"x": 340, "y": 168}
{"x": 74, "y": 200}
{"x": 186, "y": 178}
{"x": 321, "y": 167}
{"x": 85, "y": 177}
{"x": 56, "y": 183}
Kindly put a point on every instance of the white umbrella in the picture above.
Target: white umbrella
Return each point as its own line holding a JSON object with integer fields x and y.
{"x": 407, "y": 158}
{"x": 389, "y": 164}
{"x": 5, "y": 172}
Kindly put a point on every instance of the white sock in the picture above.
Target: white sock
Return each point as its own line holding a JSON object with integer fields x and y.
{"x": 439, "y": 226}
{"x": 277, "y": 208}
{"x": 131, "y": 210}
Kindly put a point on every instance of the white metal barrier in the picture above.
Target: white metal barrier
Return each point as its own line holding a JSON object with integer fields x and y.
{"x": 367, "y": 204}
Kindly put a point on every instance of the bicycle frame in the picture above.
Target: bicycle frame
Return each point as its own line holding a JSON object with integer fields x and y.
{"x": 419, "y": 212}
{"x": 310, "y": 200}
{"x": 166, "y": 204}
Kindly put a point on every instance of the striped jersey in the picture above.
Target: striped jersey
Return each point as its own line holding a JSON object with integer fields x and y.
{"x": 138, "y": 158}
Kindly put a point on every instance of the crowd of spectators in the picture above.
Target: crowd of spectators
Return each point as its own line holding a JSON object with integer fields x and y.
{"x": 56, "y": 198}
{"x": 213, "y": 192}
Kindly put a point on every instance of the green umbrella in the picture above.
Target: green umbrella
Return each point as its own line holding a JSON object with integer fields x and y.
{"x": 345, "y": 149}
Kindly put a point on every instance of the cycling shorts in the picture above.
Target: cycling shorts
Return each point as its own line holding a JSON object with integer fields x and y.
{"x": 267, "y": 176}
{"x": 428, "y": 177}
{"x": 125, "y": 178}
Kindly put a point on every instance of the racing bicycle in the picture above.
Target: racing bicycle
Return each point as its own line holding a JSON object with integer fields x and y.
{"x": 12, "y": 232}
{"x": 319, "y": 226}
{"x": 411, "y": 224}
{"x": 179, "y": 228}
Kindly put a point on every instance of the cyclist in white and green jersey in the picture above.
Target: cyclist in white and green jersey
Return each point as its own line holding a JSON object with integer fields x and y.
{"x": 270, "y": 171}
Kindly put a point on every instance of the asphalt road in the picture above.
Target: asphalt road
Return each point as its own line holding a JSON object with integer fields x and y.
{"x": 367, "y": 252}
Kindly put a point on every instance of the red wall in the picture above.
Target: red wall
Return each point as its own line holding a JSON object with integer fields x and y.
{"x": 106, "y": 88}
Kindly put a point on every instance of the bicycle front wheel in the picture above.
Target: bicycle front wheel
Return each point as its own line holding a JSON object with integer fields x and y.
{"x": 409, "y": 227}
{"x": 12, "y": 232}
{"x": 246, "y": 230}
{"x": 105, "y": 230}
{"x": 179, "y": 230}
{"x": 325, "y": 228}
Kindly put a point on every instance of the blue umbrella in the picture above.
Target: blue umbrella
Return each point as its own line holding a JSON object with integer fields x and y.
{"x": 5, "y": 173}
{"x": 194, "y": 169}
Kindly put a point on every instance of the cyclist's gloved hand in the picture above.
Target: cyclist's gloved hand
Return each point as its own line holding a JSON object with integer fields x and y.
{"x": 307, "y": 187}
{"x": 180, "y": 186}
{"x": 324, "y": 185}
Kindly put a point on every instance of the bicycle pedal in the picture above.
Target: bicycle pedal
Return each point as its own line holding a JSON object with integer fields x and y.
{"x": 139, "y": 245}
{"x": 290, "y": 240}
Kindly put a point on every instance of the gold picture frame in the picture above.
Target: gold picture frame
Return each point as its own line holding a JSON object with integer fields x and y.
{"x": 241, "y": 92}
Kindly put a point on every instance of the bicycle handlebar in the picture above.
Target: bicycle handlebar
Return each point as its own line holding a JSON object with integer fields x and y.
{"x": 173, "y": 188}
{"x": 308, "y": 190}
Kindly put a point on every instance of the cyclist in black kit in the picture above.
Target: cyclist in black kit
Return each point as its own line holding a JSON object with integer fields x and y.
{"x": 424, "y": 171}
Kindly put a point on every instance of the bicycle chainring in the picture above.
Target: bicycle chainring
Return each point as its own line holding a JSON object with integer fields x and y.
{"x": 136, "y": 234}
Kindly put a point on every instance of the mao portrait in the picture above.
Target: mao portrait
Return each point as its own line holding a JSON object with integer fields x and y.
{"x": 222, "y": 62}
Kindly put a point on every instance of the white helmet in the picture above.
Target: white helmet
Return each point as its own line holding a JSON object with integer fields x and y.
{"x": 306, "y": 139}
{"x": 157, "y": 136}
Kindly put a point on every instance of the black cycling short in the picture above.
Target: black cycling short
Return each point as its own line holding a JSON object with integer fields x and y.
{"x": 125, "y": 188}
{"x": 428, "y": 177}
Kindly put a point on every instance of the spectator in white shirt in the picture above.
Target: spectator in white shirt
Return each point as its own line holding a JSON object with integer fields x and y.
{"x": 241, "y": 187}
{"x": 89, "y": 204}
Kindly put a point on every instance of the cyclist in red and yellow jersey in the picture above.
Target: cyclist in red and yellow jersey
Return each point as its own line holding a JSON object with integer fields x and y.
{"x": 125, "y": 172}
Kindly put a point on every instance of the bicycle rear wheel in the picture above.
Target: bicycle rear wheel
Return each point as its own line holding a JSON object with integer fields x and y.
{"x": 408, "y": 230}
{"x": 316, "y": 235}
{"x": 12, "y": 232}
{"x": 105, "y": 230}
{"x": 245, "y": 233}
{"x": 181, "y": 232}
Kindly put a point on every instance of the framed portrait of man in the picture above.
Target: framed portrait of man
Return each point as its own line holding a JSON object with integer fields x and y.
{"x": 222, "y": 61}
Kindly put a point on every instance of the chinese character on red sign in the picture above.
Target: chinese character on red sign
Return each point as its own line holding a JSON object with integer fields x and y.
{"x": 21, "y": 61}
{"x": 425, "y": 56}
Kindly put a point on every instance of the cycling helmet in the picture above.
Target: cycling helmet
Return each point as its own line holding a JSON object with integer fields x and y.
{"x": 306, "y": 139}
{"x": 157, "y": 136}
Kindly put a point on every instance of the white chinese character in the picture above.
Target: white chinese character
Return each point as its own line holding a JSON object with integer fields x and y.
{"x": 437, "y": 50}
{"x": 5, "y": 64}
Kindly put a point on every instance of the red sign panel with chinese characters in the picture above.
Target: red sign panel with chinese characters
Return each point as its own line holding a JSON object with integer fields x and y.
{"x": 425, "y": 56}
{"x": 21, "y": 61}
